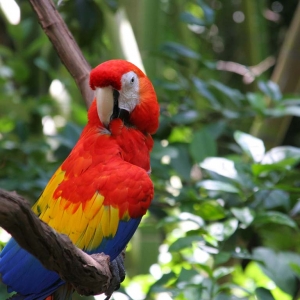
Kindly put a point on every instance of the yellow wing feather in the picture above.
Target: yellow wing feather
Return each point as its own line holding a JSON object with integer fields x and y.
{"x": 86, "y": 226}
{"x": 86, "y": 222}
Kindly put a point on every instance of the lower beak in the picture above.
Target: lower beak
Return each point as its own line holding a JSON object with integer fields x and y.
{"x": 120, "y": 113}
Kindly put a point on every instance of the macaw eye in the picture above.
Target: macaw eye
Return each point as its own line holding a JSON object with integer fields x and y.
{"x": 132, "y": 80}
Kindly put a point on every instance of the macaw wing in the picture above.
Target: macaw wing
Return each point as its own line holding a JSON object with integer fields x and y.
{"x": 99, "y": 209}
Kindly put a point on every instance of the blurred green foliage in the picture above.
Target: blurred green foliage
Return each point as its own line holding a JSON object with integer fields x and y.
{"x": 224, "y": 223}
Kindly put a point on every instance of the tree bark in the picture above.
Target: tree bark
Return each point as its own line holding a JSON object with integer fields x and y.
{"x": 65, "y": 45}
{"x": 55, "y": 251}
{"x": 286, "y": 74}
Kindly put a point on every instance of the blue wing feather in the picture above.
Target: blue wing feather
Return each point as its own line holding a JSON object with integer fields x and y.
{"x": 23, "y": 273}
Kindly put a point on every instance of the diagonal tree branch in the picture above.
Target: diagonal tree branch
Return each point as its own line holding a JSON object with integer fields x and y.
{"x": 55, "y": 251}
{"x": 65, "y": 45}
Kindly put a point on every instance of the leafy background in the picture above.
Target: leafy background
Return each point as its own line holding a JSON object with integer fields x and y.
{"x": 224, "y": 223}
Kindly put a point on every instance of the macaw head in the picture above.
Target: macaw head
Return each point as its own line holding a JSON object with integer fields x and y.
{"x": 123, "y": 91}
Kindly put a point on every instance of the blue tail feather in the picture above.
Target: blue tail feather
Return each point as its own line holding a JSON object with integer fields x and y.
{"x": 23, "y": 273}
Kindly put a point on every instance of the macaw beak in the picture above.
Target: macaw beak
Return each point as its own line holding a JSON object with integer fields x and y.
{"x": 108, "y": 109}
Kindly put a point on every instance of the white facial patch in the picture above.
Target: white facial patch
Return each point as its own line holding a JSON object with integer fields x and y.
{"x": 129, "y": 93}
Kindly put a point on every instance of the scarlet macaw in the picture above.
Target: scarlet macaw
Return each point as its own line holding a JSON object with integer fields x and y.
{"x": 101, "y": 191}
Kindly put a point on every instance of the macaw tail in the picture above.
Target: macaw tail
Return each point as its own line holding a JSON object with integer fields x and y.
{"x": 62, "y": 293}
{"x": 23, "y": 273}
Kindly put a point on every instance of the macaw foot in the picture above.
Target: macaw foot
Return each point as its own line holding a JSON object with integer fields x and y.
{"x": 118, "y": 271}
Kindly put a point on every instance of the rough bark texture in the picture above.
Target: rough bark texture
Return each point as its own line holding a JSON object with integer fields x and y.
{"x": 65, "y": 45}
{"x": 286, "y": 74}
{"x": 55, "y": 251}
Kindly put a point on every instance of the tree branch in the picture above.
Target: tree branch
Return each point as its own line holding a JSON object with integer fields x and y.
{"x": 55, "y": 251}
{"x": 65, "y": 45}
{"x": 91, "y": 274}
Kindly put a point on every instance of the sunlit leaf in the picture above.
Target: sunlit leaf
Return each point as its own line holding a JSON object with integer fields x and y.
{"x": 251, "y": 145}
{"x": 222, "y": 231}
{"x": 291, "y": 111}
{"x": 244, "y": 215}
{"x": 220, "y": 165}
{"x": 288, "y": 155}
{"x": 271, "y": 89}
{"x": 215, "y": 185}
{"x": 222, "y": 271}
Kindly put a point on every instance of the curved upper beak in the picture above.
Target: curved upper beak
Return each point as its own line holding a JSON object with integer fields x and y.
{"x": 108, "y": 105}
{"x": 105, "y": 104}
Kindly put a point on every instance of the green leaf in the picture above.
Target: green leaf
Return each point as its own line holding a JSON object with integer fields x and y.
{"x": 221, "y": 257}
{"x": 158, "y": 286}
{"x": 202, "y": 145}
{"x": 264, "y": 170}
{"x": 159, "y": 151}
{"x": 233, "y": 95}
{"x": 263, "y": 294}
{"x": 211, "y": 210}
{"x": 187, "y": 117}
{"x": 271, "y": 89}
{"x": 184, "y": 242}
{"x": 251, "y": 145}
{"x": 296, "y": 268}
{"x": 274, "y": 217}
{"x": 273, "y": 198}
{"x": 257, "y": 101}
{"x": 209, "y": 13}
{"x": 188, "y": 18}
{"x": 42, "y": 63}
{"x": 182, "y": 163}
{"x": 179, "y": 50}
{"x": 215, "y": 185}
{"x": 222, "y": 296}
{"x": 244, "y": 215}
{"x": 276, "y": 267}
{"x": 203, "y": 90}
